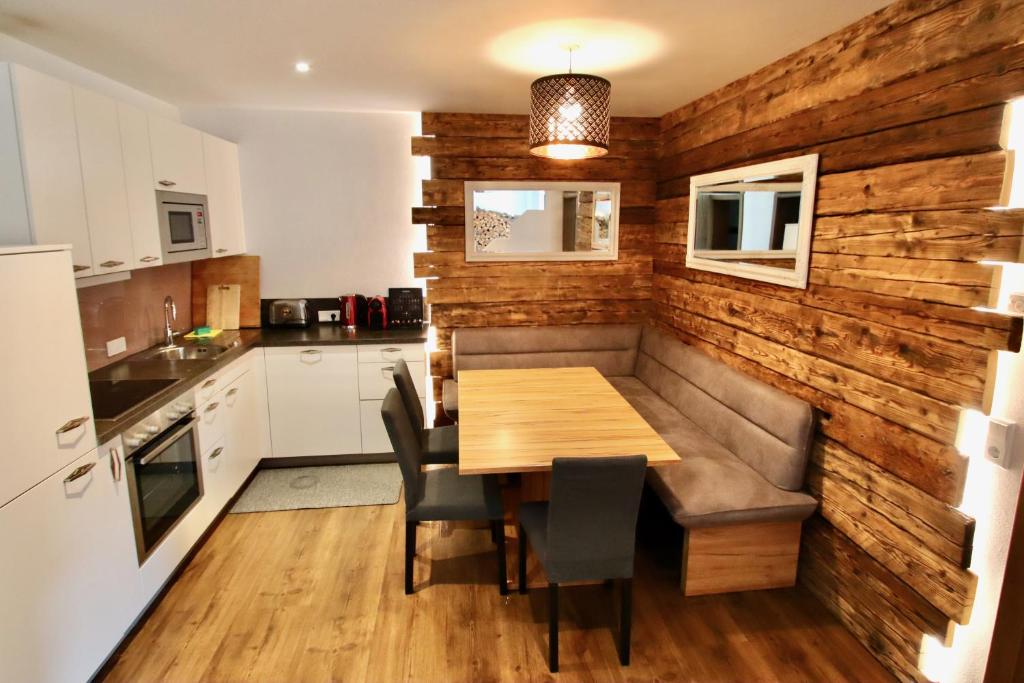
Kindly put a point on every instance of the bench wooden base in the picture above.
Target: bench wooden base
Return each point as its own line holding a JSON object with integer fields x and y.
{"x": 740, "y": 557}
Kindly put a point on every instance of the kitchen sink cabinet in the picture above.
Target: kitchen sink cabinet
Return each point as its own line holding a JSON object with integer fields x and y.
{"x": 177, "y": 156}
{"x": 70, "y": 575}
{"x": 314, "y": 400}
{"x": 103, "y": 177}
{"x": 224, "y": 193}
{"x": 47, "y": 420}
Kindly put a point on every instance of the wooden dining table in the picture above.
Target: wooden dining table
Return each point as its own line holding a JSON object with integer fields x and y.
{"x": 516, "y": 422}
{"x": 520, "y": 420}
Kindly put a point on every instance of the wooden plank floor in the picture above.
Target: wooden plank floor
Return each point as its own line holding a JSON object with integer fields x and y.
{"x": 316, "y": 595}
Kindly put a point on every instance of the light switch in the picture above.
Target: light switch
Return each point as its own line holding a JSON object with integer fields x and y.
{"x": 329, "y": 316}
{"x": 116, "y": 346}
{"x": 999, "y": 441}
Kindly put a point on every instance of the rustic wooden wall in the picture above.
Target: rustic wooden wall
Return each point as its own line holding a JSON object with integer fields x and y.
{"x": 493, "y": 147}
{"x": 905, "y": 109}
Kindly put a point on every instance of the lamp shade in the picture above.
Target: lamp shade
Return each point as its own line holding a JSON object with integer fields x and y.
{"x": 569, "y": 116}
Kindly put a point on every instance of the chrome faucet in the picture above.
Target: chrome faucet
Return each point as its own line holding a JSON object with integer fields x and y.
{"x": 170, "y": 315}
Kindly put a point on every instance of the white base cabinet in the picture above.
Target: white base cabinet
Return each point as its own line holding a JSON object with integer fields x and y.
{"x": 376, "y": 377}
{"x": 69, "y": 578}
{"x": 314, "y": 400}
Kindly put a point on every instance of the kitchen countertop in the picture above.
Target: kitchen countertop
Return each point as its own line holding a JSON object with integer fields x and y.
{"x": 189, "y": 373}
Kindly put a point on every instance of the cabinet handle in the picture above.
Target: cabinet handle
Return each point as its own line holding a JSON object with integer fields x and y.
{"x": 149, "y": 259}
{"x": 221, "y": 250}
{"x": 111, "y": 264}
{"x": 167, "y": 183}
{"x": 79, "y": 472}
{"x": 388, "y": 372}
{"x": 115, "y": 464}
{"x": 311, "y": 352}
{"x": 216, "y": 452}
{"x": 72, "y": 424}
{"x": 209, "y": 383}
{"x": 79, "y": 269}
{"x": 212, "y": 407}
{"x": 390, "y": 349}
{"x": 232, "y": 392}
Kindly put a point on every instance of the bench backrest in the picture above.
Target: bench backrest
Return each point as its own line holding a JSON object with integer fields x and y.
{"x": 766, "y": 428}
{"x": 611, "y": 349}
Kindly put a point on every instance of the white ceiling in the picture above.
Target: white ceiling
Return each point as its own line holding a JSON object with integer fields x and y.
{"x": 433, "y": 55}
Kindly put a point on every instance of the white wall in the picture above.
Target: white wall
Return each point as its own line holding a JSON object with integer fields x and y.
{"x": 327, "y": 197}
{"x": 13, "y": 50}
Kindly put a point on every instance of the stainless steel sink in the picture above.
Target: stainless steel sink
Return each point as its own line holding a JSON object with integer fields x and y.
{"x": 186, "y": 352}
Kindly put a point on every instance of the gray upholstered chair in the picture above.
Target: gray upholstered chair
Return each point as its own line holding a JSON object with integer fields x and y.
{"x": 439, "y": 494}
{"x": 440, "y": 445}
{"x": 586, "y": 532}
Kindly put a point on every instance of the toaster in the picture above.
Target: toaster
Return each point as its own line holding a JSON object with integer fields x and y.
{"x": 289, "y": 313}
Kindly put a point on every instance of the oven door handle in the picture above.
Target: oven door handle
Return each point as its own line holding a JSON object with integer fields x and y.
{"x": 168, "y": 442}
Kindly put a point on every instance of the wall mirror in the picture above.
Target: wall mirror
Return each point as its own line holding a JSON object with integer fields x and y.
{"x": 754, "y": 222}
{"x": 542, "y": 221}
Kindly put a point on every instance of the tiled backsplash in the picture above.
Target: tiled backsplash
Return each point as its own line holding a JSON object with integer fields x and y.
{"x": 133, "y": 309}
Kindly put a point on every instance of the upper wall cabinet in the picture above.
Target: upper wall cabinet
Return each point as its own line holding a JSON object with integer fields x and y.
{"x": 106, "y": 199}
{"x": 138, "y": 173}
{"x": 44, "y": 198}
{"x": 754, "y": 222}
{"x": 224, "y": 193}
{"x": 177, "y": 156}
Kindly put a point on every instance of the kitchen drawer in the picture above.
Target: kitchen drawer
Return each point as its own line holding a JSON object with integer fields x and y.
{"x": 209, "y": 387}
{"x": 376, "y": 378}
{"x": 389, "y": 353}
{"x": 217, "y": 479}
{"x": 212, "y": 419}
{"x": 375, "y": 434}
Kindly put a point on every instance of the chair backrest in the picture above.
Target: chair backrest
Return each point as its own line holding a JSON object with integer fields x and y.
{"x": 406, "y": 443}
{"x": 609, "y": 348}
{"x": 592, "y": 517}
{"x": 404, "y": 383}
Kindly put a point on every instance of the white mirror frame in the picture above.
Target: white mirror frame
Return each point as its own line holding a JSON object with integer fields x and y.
{"x": 808, "y": 166}
{"x": 613, "y": 225}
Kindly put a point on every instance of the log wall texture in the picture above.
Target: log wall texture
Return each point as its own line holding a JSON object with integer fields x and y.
{"x": 465, "y": 147}
{"x": 905, "y": 108}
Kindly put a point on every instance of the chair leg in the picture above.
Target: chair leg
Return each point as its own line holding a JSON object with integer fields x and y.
{"x": 494, "y": 534}
{"x": 498, "y": 530}
{"x": 522, "y": 559}
{"x": 553, "y": 627}
{"x": 625, "y": 620}
{"x": 410, "y": 552}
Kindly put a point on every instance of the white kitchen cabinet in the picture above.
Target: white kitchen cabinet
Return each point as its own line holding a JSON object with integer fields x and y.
{"x": 69, "y": 577}
{"x": 314, "y": 400}
{"x": 47, "y": 419}
{"x": 374, "y": 433}
{"x": 177, "y": 156}
{"x": 376, "y": 378}
{"x": 106, "y": 196}
{"x": 224, "y": 193}
{"x": 42, "y": 173}
{"x": 245, "y": 419}
{"x": 389, "y": 353}
{"x": 138, "y": 172}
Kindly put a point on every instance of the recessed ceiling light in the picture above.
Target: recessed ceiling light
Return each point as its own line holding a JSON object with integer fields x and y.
{"x": 302, "y": 67}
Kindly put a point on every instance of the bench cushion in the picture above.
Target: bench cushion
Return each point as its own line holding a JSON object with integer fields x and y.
{"x": 450, "y": 398}
{"x": 766, "y": 428}
{"x": 710, "y": 486}
{"x": 611, "y": 349}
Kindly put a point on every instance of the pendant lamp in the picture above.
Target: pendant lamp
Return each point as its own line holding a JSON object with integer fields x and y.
{"x": 569, "y": 115}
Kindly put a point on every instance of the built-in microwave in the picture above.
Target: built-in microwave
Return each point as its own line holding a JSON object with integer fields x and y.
{"x": 184, "y": 220}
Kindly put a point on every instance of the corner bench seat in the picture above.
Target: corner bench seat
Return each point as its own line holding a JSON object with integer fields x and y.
{"x": 743, "y": 444}
{"x": 710, "y": 486}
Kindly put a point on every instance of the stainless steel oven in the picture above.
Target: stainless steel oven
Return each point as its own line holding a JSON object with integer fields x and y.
{"x": 164, "y": 476}
{"x": 184, "y": 221}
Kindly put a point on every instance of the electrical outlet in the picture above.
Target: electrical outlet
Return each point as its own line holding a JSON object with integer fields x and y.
{"x": 116, "y": 346}
{"x": 999, "y": 441}
{"x": 329, "y": 316}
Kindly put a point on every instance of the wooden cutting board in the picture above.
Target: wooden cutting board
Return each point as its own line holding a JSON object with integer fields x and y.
{"x": 243, "y": 270}
{"x": 223, "y": 303}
